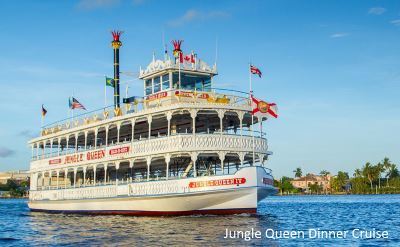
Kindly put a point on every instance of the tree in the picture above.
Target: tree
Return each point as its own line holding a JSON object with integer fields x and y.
{"x": 298, "y": 172}
{"x": 368, "y": 172}
{"x": 387, "y": 166}
{"x": 393, "y": 172}
{"x": 379, "y": 168}
{"x": 357, "y": 173}
{"x": 324, "y": 173}
{"x": 315, "y": 187}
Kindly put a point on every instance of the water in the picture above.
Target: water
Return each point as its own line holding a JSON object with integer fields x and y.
{"x": 20, "y": 227}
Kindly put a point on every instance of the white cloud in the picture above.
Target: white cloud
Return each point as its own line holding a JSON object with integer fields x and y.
{"x": 376, "y": 11}
{"x": 339, "y": 35}
{"x": 195, "y": 15}
{"x": 96, "y": 4}
{"x": 396, "y": 22}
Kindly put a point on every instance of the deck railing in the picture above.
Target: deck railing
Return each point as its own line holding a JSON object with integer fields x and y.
{"x": 216, "y": 96}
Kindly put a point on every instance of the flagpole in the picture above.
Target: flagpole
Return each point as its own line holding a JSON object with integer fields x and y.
{"x": 105, "y": 94}
{"x": 252, "y": 116}
{"x": 72, "y": 107}
{"x": 179, "y": 70}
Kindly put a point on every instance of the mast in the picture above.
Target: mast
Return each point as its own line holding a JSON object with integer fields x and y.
{"x": 116, "y": 44}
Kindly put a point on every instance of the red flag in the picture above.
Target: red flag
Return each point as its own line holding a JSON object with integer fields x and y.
{"x": 263, "y": 109}
{"x": 189, "y": 58}
{"x": 255, "y": 70}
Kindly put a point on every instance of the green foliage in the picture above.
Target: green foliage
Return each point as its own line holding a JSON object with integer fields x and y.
{"x": 285, "y": 186}
{"x": 368, "y": 179}
{"x": 315, "y": 188}
{"x": 298, "y": 172}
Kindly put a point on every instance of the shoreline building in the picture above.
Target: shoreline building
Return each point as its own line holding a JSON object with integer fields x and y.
{"x": 18, "y": 176}
{"x": 305, "y": 182}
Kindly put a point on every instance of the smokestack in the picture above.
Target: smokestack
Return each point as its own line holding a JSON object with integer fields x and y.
{"x": 116, "y": 44}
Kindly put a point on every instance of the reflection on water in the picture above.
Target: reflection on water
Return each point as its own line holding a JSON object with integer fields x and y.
{"x": 19, "y": 226}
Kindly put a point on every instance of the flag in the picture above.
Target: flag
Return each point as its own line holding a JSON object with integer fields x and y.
{"x": 255, "y": 70}
{"x": 110, "y": 82}
{"x": 74, "y": 104}
{"x": 44, "y": 111}
{"x": 188, "y": 58}
{"x": 263, "y": 109}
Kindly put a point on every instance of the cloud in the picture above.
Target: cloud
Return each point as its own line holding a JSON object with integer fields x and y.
{"x": 97, "y": 4}
{"x": 5, "y": 152}
{"x": 195, "y": 15}
{"x": 339, "y": 35}
{"x": 27, "y": 133}
{"x": 376, "y": 11}
{"x": 396, "y": 22}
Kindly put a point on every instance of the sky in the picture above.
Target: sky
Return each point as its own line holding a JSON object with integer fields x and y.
{"x": 332, "y": 67}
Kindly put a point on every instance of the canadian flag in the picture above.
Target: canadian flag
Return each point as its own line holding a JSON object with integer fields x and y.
{"x": 263, "y": 109}
{"x": 187, "y": 58}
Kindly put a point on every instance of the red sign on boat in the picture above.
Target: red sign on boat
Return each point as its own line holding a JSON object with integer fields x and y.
{"x": 121, "y": 150}
{"x": 54, "y": 161}
{"x": 219, "y": 182}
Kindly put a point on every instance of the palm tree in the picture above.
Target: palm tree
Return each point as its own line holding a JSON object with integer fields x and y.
{"x": 324, "y": 173}
{"x": 379, "y": 169}
{"x": 387, "y": 166}
{"x": 367, "y": 172}
{"x": 394, "y": 172}
{"x": 357, "y": 173}
{"x": 298, "y": 172}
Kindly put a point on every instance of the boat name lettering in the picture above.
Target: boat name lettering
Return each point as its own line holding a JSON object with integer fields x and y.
{"x": 73, "y": 158}
{"x": 120, "y": 150}
{"x": 219, "y": 182}
{"x": 96, "y": 155}
{"x": 191, "y": 94}
{"x": 157, "y": 96}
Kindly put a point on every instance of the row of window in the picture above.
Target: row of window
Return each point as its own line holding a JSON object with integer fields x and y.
{"x": 188, "y": 82}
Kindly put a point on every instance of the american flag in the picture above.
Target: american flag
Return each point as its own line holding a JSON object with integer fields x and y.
{"x": 74, "y": 104}
{"x": 255, "y": 70}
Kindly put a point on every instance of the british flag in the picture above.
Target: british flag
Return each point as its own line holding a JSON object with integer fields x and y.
{"x": 255, "y": 70}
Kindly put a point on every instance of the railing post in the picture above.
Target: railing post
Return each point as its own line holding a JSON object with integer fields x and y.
{"x": 167, "y": 160}
{"x": 148, "y": 160}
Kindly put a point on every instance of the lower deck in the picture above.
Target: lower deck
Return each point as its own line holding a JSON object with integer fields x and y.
{"x": 239, "y": 191}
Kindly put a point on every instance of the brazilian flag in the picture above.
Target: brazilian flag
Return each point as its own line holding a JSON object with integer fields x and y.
{"x": 109, "y": 82}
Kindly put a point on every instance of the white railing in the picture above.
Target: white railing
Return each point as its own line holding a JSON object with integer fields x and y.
{"x": 215, "y": 97}
{"x": 176, "y": 143}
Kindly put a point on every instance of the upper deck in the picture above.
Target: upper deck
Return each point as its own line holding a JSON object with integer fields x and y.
{"x": 181, "y": 113}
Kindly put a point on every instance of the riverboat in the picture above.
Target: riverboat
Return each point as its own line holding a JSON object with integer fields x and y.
{"x": 183, "y": 148}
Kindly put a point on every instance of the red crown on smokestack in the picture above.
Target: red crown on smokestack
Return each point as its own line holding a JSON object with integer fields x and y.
{"x": 116, "y": 44}
{"x": 177, "y": 47}
{"x": 116, "y": 34}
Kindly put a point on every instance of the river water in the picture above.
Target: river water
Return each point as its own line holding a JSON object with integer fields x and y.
{"x": 307, "y": 214}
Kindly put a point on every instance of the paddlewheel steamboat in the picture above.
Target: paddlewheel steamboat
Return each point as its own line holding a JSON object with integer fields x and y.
{"x": 183, "y": 148}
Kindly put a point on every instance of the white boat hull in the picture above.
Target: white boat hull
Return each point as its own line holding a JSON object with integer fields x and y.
{"x": 228, "y": 194}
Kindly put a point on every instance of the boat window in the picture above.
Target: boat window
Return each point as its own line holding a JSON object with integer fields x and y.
{"x": 192, "y": 82}
{"x": 165, "y": 82}
{"x": 148, "y": 83}
{"x": 148, "y": 90}
{"x": 157, "y": 85}
{"x": 175, "y": 79}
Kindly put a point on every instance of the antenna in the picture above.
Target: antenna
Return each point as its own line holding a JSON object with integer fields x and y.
{"x": 216, "y": 50}
{"x": 164, "y": 46}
